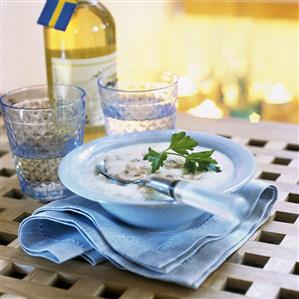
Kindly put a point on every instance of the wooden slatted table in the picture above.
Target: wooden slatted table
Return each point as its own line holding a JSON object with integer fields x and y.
{"x": 267, "y": 266}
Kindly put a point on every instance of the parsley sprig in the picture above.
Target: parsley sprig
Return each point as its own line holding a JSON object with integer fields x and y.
{"x": 181, "y": 145}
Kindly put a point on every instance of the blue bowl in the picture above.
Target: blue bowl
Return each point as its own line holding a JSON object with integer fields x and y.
{"x": 77, "y": 171}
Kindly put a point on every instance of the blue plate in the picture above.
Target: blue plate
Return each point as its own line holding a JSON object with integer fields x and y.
{"x": 77, "y": 170}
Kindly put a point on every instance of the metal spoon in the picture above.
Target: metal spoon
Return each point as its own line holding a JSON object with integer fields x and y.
{"x": 225, "y": 205}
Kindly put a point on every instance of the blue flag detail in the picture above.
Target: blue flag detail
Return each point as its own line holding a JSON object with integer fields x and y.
{"x": 57, "y": 13}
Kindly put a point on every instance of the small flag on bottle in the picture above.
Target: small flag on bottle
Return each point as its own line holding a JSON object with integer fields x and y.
{"x": 57, "y": 13}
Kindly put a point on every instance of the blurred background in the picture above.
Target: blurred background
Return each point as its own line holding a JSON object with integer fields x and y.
{"x": 234, "y": 58}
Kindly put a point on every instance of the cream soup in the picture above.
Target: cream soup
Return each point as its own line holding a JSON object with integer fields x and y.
{"x": 127, "y": 163}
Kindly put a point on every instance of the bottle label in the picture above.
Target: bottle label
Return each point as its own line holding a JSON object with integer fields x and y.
{"x": 84, "y": 72}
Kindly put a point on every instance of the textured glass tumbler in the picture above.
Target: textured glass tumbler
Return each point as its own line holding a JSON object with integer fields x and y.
{"x": 43, "y": 124}
{"x": 138, "y": 100}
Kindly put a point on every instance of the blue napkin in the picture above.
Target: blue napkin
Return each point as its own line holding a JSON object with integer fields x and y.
{"x": 75, "y": 226}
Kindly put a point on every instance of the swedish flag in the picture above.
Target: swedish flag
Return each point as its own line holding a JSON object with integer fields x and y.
{"x": 57, "y": 13}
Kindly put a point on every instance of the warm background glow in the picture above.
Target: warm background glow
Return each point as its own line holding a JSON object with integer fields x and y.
{"x": 234, "y": 58}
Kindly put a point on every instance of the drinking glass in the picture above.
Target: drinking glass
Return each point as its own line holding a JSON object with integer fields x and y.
{"x": 138, "y": 100}
{"x": 43, "y": 124}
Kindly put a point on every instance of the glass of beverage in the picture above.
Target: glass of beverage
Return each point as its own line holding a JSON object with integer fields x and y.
{"x": 43, "y": 124}
{"x": 138, "y": 100}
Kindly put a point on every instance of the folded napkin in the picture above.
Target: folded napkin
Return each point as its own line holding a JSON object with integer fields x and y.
{"x": 75, "y": 226}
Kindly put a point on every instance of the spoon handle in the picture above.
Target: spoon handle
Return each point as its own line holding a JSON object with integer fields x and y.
{"x": 225, "y": 205}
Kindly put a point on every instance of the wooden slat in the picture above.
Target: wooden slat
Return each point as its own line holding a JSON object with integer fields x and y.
{"x": 42, "y": 276}
{"x": 89, "y": 286}
{"x": 35, "y": 290}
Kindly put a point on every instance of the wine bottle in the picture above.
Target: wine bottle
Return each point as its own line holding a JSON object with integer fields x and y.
{"x": 81, "y": 53}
